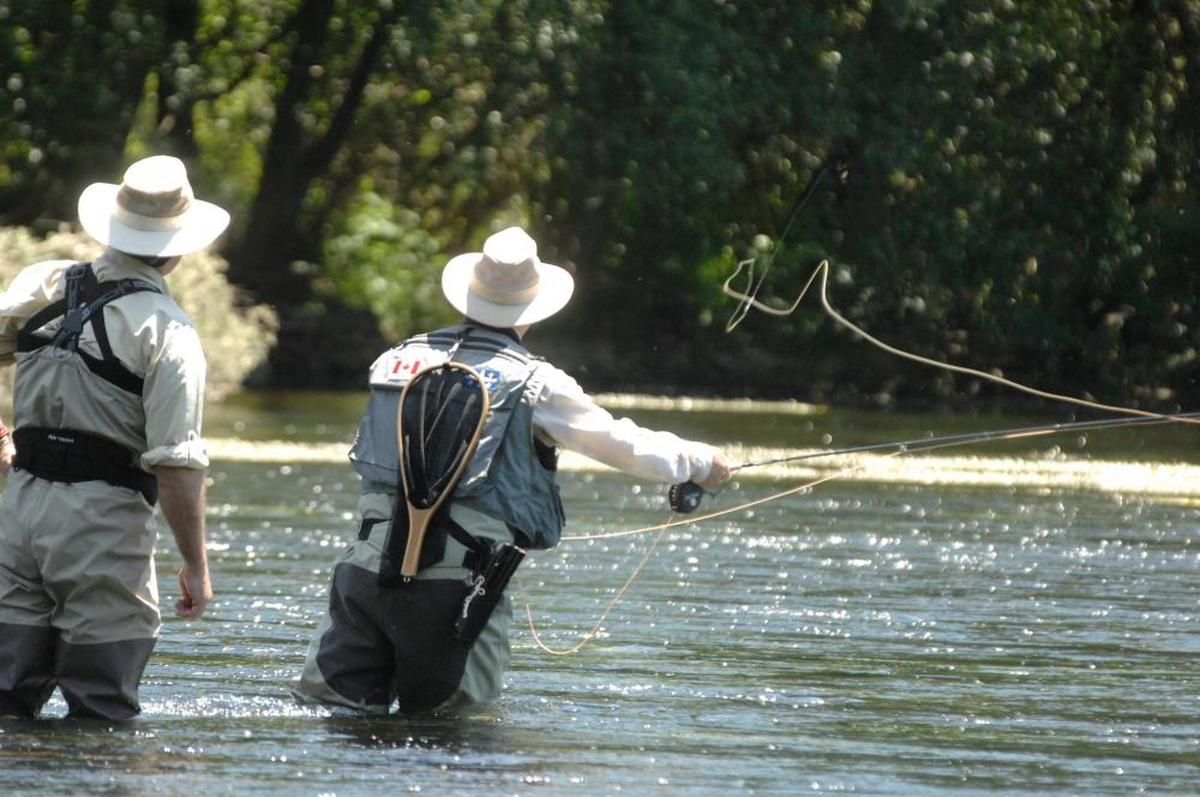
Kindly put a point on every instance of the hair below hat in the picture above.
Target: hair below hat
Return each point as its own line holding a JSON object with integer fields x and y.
{"x": 506, "y": 284}
{"x": 152, "y": 211}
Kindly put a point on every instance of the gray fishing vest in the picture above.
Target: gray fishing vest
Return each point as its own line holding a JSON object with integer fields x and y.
{"x": 506, "y": 478}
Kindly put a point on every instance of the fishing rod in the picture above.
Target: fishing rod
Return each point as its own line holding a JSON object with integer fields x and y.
{"x": 686, "y": 496}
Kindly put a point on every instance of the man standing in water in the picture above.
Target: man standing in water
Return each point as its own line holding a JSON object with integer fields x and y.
{"x": 107, "y": 404}
{"x": 391, "y": 639}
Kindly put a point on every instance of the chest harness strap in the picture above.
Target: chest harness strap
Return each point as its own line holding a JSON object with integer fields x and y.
{"x": 84, "y": 303}
{"x": 72, "y": 455}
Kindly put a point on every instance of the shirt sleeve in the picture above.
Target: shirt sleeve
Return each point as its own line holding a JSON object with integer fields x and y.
{"x": 572, "y": 419}
{"x": 32, "y": 289}
{"x": 174, "y": 401}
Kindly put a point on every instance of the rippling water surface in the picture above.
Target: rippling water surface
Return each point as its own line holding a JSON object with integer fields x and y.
{"x": 872, "y": 638}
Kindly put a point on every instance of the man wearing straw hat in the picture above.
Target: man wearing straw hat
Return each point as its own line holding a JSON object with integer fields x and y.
{"x": 422, "y": 642}
{"x": 107, "y": 411}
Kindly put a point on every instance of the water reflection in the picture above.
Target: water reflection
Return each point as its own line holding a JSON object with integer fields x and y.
{"x": 82, "y": 756}
{"x": 453, "y": 733}
{"x": 870, "y": 637}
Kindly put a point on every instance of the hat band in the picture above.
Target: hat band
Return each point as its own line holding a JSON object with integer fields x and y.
{"x": 523, "y": 296}
{"x": 163, "y": 213}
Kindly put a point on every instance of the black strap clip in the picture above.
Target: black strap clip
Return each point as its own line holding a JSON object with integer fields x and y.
{"x": 68, "y": 334}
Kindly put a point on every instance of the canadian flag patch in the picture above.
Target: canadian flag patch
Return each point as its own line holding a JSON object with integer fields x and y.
{"x": 404, "y": 367}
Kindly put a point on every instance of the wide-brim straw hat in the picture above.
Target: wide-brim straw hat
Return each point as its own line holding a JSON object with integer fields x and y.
{"x": 506, "y": 285}
{"x": 152, "y": 211}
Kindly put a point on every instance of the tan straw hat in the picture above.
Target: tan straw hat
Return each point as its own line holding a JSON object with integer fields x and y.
{"x": 506, "y": 285}
{"x": 152, "y": 211}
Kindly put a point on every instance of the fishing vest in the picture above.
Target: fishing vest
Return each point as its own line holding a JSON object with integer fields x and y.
{"x": 511, "y": 475}
{"x": 44, "y": 447}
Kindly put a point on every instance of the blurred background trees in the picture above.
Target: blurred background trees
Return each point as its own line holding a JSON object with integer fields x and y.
{"x": 1002, "y": 185}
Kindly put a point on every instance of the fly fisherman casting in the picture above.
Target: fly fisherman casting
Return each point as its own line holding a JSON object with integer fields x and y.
{"x": 457, "y": 452}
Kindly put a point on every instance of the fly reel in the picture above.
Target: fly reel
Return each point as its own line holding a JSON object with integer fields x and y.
{"x": 685, "y": 497}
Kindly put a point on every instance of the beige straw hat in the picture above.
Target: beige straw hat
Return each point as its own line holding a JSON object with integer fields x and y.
{"x": 152, "y": 211}
{"x": 506, "y": 285}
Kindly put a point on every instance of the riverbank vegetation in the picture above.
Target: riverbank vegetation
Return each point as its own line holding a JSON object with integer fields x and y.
{"x": 236, "y": 336}
{"x": 1006, "y": 186}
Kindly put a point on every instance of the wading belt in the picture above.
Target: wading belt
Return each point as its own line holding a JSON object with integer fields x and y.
{"x": 83, "y": 302}
{"x": 434, "y": 550}
{"x": 67, "y": 455}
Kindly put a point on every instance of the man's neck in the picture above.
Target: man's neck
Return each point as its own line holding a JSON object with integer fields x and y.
{"x": 516, "y": 333}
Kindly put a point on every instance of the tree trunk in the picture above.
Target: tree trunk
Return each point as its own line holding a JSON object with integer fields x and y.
{"x": 181, "y": 19}
{"x": 280, "y": 233}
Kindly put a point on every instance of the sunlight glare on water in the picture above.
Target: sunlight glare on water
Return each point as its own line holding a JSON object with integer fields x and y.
{"x": 900, "y": 634}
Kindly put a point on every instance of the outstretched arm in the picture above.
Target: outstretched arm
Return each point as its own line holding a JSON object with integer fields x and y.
{"x": 573, "y": 420}
{"x": 718, "y": 473}
{"x": 183, "y": 496}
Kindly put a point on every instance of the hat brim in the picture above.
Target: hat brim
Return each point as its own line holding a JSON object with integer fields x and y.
{"x": 555, "y": 286}
{"x": 202, "y": 224}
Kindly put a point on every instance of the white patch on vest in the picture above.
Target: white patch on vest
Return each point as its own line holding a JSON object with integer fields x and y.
{"x": 491, "y": 378}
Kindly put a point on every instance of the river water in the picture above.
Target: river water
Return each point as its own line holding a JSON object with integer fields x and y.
{"x": 1034, "y": 629}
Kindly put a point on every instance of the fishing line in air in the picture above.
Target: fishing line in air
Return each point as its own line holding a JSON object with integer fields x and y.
{"x": 924, "y": 443}
{"x": 750, "y": 300}
{"x": 738, "y": 314}
{"x": 741, "y": 311}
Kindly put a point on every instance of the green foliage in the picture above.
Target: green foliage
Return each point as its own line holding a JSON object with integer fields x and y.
{"x": 386, "y": 261}
{"x": 999, "y": 184}
{"x": 1011, "y": 148}
{"x": 71, "y": 78}
{"x": 236, "y": 336}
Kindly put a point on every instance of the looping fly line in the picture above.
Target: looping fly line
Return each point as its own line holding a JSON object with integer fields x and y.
{"x": 750, "y": 300}
{"x": 754, "y": 287}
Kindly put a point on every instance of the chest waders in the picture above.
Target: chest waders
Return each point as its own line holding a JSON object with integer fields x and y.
{"x": 87, "y": 618}
{"x": 75, "y": 455}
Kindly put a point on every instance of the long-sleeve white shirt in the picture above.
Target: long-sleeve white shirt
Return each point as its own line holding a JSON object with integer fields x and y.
{"x": 568, "y": 417}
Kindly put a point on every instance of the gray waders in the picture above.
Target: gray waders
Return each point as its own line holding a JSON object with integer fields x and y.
{"x": 379, "y": 646}
{"x": 78, "y": 596}
{"x": 78, "y": 606}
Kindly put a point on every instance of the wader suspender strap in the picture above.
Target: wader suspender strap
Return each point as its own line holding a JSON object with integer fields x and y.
{"x": 84, "y": 303}
{"x": 72, "y": 455}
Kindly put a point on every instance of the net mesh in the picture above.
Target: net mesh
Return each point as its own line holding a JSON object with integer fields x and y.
{"x": 442, "y": 409}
